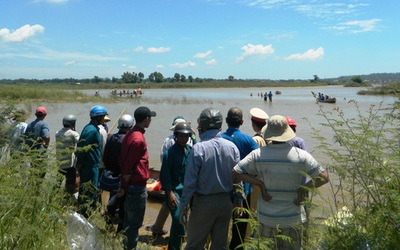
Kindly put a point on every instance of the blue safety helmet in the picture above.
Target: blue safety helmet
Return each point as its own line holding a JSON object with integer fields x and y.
{"x": 98, "y": 111}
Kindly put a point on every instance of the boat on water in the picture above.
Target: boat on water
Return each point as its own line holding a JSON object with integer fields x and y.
{"x": 323, "y": 98}
{"x": 329, "y": 100}
{"x": 153, "y": 185}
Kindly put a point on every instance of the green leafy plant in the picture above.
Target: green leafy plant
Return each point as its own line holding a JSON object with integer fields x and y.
{"x": 364, "y": 161}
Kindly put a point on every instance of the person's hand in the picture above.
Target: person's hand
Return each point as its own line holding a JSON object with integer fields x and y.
{"x": 78, "y": 170}
{"x": 172, "y": 201}
{"x": 183, "y": 216}
{"x": 265, "y": 195}
{"x": 301, "y": 194}
{"x": 120, "y": 192}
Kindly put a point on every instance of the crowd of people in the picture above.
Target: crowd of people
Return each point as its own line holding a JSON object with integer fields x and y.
{"x": 205, "y": 179}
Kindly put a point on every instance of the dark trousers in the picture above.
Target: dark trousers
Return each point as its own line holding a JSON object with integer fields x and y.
{"x": 239, "y": 228}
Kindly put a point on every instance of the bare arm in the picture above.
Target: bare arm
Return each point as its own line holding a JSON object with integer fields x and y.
{"x": 322, "y": 179}
{"x": 254, "y": 181}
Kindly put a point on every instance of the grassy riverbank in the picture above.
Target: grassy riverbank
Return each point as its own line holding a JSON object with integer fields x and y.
{"x": 56, "y": 93}
{"x": 72, "y": 92}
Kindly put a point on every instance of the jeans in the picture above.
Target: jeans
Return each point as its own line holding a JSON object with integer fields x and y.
{"x": 177, "y": 231}
{"x": 135, "y": 207}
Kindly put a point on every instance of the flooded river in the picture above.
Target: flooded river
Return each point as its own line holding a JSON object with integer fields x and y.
{"x": 297, "y": 103}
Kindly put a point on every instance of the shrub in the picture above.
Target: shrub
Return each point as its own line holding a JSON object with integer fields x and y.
{"x": 365, "y": 162}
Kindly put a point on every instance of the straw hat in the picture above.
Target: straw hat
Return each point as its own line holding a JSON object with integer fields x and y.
{"x": 278, "y": 129}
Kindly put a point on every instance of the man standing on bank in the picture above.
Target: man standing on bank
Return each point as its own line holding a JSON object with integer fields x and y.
{"x": 209, "y": 182}
{"x": 280, "y": 168}
{"x": 88, "y": 160}
{"x": 172, "y": 180}
{"x": 134, "y": 162}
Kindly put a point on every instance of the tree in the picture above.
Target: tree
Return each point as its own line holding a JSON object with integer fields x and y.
{"x": 151, "y": 77}
{"x": 96, "y": 79}
{"x": 230, "y": 78}
{"x": 316, "y": 78}
{"x": 356, "y": 79}
{"x": 190, "y": 78}
{"x": 177, "y": 77}
{"x": 141, "y": 76}
{"x": 183, "y": 78}
{"x": 158, "y": 77}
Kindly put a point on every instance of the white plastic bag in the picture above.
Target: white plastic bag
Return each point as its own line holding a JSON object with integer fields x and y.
{"x": 81, "y": 234}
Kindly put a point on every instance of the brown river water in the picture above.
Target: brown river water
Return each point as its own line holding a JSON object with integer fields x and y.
{"x": 297, "y": 103}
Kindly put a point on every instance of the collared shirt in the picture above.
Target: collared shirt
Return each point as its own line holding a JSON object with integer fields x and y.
{"x": 281, "y": 167}
{"x": 209, "y": 167}
{"x": 259, "y": 140}
{"x": 134, "y": 159}
{"x": 174, "y": 166}
{"x": 66, "y": 141}
{"x": 169, "y": 141}
{"x": 35, "y": 133}
{"x": 298, "y": 143}
{"x": 245, "y": 144}
{"x": 89, "y": 146}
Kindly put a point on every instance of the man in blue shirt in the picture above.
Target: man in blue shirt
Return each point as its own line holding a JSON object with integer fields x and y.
{"x": 37, "y": 138}
{"x": 209, "y": 182}
{"x": 245, "y": 144}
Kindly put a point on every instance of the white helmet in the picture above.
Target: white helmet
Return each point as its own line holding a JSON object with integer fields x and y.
{"x": 126, "y": 121}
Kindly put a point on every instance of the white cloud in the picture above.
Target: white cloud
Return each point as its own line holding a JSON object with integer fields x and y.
{"x": 21, "y": 34}
{"x": 184, "y": 65}
{"x": 51, "y": 1}
{"x": 211, "y": 62}
{"x": 70, "y": 63}
{"x": 138, "y": 49}
{"x": 310, "y": 54}
{"x": 159, "y": 66}
{"x": 203, "y": 55}
{"x": 255, "y": 50}
{"x": 358, "y": 26}
{"x": 158, "y": 50}
{"x": 132, "y": 67}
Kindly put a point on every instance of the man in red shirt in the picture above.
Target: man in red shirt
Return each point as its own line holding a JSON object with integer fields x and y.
{"x": 134, "y": 162}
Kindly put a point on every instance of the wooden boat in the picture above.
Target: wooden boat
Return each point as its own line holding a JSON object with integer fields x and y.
{"x": 153, "y": 187}
{"x": 329, "y": 100}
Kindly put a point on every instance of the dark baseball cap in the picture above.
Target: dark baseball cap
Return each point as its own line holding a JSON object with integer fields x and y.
{"x": 142, "y": 113}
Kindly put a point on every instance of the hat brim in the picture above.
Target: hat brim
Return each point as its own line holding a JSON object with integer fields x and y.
{"x": 285, "y": 136}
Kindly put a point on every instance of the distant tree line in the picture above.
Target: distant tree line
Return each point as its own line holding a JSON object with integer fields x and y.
{"x": 158, "y": 77}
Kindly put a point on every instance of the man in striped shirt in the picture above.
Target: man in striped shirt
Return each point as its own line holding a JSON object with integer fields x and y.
{"x": 280, "y": 168}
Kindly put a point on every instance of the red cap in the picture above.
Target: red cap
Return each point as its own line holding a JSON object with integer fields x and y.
{"x": 290, "y": 121}
{"x": 41, "y": 111}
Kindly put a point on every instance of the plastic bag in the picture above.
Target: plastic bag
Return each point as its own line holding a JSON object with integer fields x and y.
{"x": 81, "y": 234}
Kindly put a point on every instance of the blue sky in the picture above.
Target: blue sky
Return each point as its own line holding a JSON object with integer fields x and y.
{"x": 248, "y": 39}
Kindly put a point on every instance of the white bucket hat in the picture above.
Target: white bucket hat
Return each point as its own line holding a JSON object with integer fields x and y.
{"x": 176, "y": 121}
{"x": 278, "y": 129}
